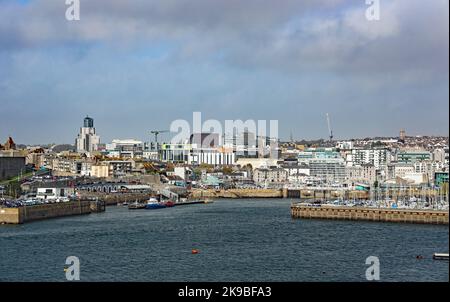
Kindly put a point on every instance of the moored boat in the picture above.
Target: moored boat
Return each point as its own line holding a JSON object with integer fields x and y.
{"x": 136, "y": 205}
{"x": 155, "y": 205}
{"x": 440, "y": 256}
{"x": 168, "y": 203}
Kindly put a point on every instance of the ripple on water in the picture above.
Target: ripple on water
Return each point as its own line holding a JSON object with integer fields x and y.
{"x": 238, "y": 240}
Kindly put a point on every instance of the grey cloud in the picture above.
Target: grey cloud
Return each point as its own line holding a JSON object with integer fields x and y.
{"x": 230, "y": 59}
{"x": 259, "y": 34}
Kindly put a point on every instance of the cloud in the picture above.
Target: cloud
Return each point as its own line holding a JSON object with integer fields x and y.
{"x": 288, "y": 34}
{"x": 290, "y": 60}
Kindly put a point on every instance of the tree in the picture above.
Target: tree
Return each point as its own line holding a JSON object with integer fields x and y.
{"x": 14, "y": 189}
{"x": 227, "y": 170}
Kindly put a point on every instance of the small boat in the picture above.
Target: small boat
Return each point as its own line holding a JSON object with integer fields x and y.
{"x": 155, "y": 205}
{"x": 440, "y": 256}
{"x": 168, "y": 203}
{"x": 136, "y": 205}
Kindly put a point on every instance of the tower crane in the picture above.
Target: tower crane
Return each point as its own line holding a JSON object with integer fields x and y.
{"x": 156, "y": 133}
{"x": 330, "y": 131}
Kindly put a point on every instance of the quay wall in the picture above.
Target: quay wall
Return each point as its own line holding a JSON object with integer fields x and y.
{"x": 279, "y": 193}
{"x": 370, "y": 214}
{"x": 11, "y": 216}
{"x": 238, "y": 193}
{"x": 39, "y": 212}
{"x": 115, "y": 198}
{"x": 324, "y": 194}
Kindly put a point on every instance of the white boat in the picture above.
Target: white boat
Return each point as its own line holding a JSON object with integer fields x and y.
{"x": 440, "y": 256}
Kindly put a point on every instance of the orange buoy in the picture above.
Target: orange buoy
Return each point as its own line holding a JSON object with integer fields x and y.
{"x": 194, "y": 251}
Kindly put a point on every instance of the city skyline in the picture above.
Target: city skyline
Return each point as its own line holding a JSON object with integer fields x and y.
{"x": 225, "y": 148}
{"x": 167, "y": 137}
{"x": 137, "y": 66}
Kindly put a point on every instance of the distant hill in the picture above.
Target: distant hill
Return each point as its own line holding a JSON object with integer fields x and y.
{"x": 64, "y": 147}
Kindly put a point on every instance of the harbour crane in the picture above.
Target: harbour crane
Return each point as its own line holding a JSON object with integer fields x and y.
{"x": 330, "y": 131}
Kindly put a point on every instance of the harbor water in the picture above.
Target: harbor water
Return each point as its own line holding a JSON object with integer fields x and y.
{"x": 236, "y": 240}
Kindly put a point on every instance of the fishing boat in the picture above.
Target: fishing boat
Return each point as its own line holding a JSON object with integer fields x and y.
{"x": 136, "y": 205}
{"x": 155, "y": 205}
{"x": 168, "y": 203}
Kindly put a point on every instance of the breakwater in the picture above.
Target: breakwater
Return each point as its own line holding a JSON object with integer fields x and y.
{"x": 280, "y": 193}
{"x": 238, "y": 193}
{"x": 45, "y": 211}
{"x": 370, "y": 214}
{"x": 319, "y": 193}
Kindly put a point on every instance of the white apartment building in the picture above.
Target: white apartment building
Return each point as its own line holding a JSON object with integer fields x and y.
{"x": 191, "y": 154}
{"x": 276, "y": 175}
{"x": 129, "y": 148}
{"x": 296, "y": 169}
{"x": 330, "y": 170}
{"x": 64, "y": 166}
{"x": 212, "y": 156}
{"x": 345, "y": 145}
{"x": 441, "y": 155}
{"x": 401, "y": 170}
{"x": 376, "y": 157}
{"x": 366, "y": 174}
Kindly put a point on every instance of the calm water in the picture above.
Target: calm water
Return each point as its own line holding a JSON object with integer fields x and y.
{"x": 239, "y": 240}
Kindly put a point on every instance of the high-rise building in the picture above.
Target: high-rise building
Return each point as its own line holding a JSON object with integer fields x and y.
{"x": 87, "y": 140}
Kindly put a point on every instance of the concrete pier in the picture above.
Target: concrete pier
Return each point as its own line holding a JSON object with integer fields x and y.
{"x": 369, "y": 214}
{"x": 45, "y": 211}
{"x": 237, "y": 193}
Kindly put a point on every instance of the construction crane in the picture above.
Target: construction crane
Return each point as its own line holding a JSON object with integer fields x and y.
{"x": 330, "y": 131}
{"x": 156, "y": 133}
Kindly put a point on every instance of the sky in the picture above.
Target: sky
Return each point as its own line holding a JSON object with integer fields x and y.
{"x": 137, "y": 65}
